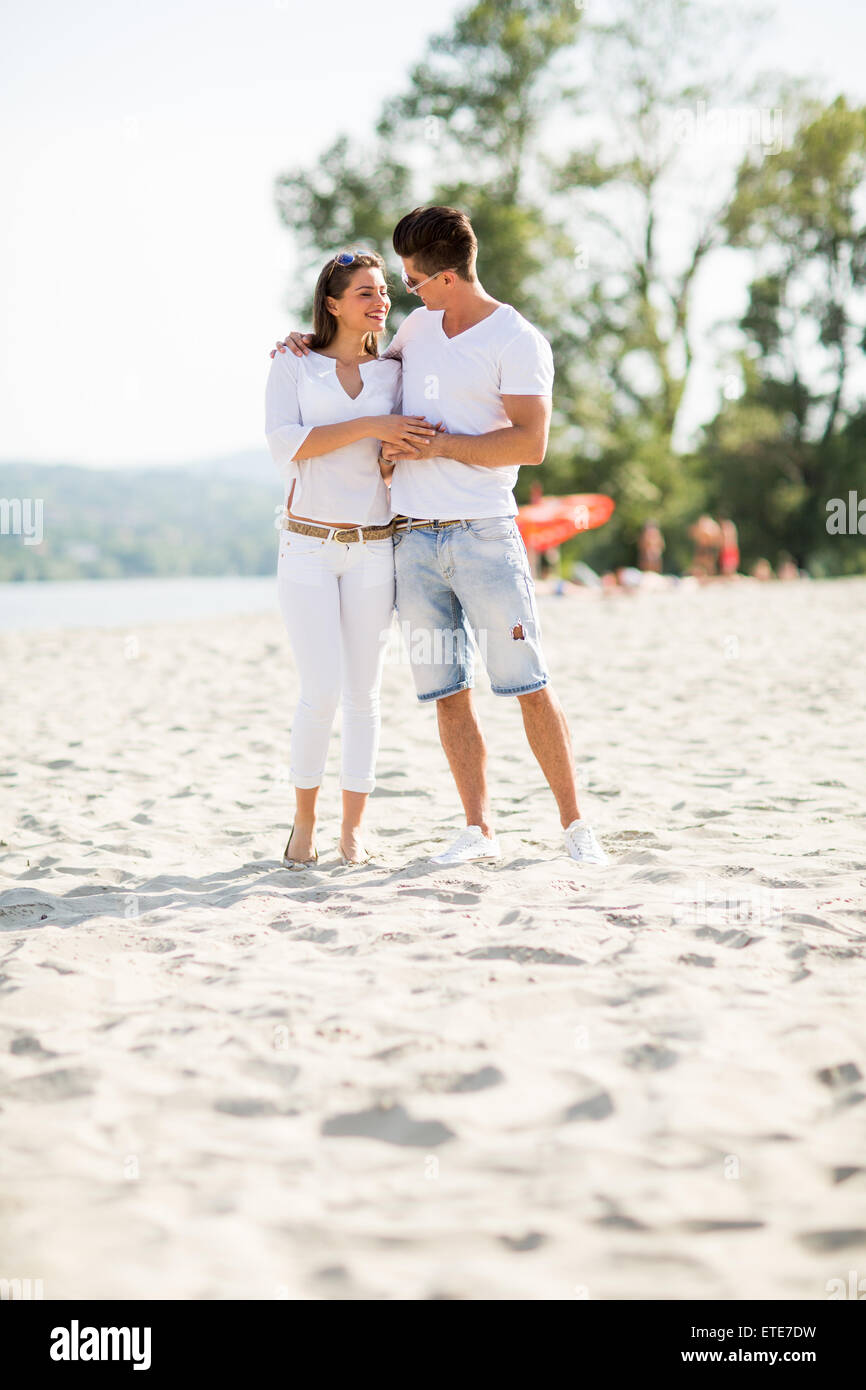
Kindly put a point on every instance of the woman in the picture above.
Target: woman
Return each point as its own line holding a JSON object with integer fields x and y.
{"x": 327, "y": 415}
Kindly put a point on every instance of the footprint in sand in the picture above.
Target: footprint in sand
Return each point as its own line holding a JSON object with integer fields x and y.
{"x": 524, "y": 955}
{"x": 615, "y": 1219}
{"x": 442, "y": 896}
{"x": 469, "y": 1081}
{"x": 650, "y": 1057}
{"x": 391, "y": 1124}
{"x": 321, "y": 935}
{"x": 846, "y": 1171}
{"x": 707, "y": 1225}
{"x": 28, "y": 1046}
{"x": 531, "y": 1241}
{"x": 14, "y": 915}
{"x": 64, "y": 1084}
{"x": 409, "y": 791}
{"x": 596, "y": 1107}
{"x": 842, "y": 1075}
{"x": 477, "y": 1080}
{"x": 738, "y": 940}
{"x": 842, "y": 1238}
{"x": 244, "y": 1107}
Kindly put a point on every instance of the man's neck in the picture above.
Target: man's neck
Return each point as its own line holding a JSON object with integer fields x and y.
{"x": 472, "y": 305}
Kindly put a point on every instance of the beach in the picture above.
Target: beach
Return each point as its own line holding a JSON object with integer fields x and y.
{"x": 517, "y": 1080}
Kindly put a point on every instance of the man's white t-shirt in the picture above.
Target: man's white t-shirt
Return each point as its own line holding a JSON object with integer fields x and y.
{"x": 460, "y": 381}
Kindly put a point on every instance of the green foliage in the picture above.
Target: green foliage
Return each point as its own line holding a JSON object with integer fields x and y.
{"x": 341, "y": 204}
{"x": 793, "y": 440}
{"x": 571, "y": 231}
{"x": 123, "y": 523}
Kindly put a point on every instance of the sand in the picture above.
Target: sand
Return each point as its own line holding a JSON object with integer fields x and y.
{"x": 522, "y": 1080}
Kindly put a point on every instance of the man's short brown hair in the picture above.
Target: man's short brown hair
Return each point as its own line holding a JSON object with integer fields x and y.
{"x": 437, "y": 239}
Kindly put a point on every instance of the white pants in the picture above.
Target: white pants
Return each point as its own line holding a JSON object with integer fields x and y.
{"x": 337, "y": 602}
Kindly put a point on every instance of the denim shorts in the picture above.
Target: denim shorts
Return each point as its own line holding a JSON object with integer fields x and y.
{"x": 469, "y": 580}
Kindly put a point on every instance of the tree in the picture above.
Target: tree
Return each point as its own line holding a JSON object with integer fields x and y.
{"x": 645, "y": 238}
{"x": 470, "y": 119}
{"x": 570, "y": 144}
{"x": 788, "y": 443}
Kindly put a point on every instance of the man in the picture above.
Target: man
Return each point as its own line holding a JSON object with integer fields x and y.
{"x": 486, "y": 373}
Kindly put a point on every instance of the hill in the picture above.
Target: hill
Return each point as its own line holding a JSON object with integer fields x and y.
{"x": 214, "y": 517}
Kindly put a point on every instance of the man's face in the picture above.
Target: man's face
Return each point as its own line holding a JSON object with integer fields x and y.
{"x": 433, "y": 294}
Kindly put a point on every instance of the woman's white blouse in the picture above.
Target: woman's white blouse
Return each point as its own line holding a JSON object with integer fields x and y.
{"x": 346, "y": 484}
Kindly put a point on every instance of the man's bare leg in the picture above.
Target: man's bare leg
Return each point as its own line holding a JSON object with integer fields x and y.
{"x": 550, "y": 740}
{"x": 466, "y": 751}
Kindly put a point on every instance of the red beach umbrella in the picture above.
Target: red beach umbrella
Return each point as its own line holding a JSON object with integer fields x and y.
{"x": 551, "y": 520}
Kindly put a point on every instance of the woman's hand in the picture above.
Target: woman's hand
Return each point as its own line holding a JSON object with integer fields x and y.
{"x": 402, "y": 431}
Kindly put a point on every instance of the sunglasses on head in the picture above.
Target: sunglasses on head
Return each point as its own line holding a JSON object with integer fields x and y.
{"x": 344, "y": 258}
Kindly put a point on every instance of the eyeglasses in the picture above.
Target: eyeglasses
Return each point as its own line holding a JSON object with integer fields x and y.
{"x": 414, "y": 285}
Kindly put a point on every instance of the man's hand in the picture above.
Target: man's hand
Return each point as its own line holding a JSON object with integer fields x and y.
{"x": 523, "y": 441}
{"x": 298, "y": 343}
{"x": 392, "y": 452}
{"x": 420, "y": 448}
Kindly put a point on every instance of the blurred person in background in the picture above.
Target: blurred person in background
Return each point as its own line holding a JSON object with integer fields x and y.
{"x": 650, "y": 548}
{"x": 787, "y": 568}
{"x": 548, "y": 564}
{"x": 729, "y": 551}
{"x": 707, "y": 537}
{"x": 762, "y": 570}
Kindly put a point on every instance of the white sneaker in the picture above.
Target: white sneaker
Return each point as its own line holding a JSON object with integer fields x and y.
{"x": 470, "y": 844}
{"x": 582, "y": 845}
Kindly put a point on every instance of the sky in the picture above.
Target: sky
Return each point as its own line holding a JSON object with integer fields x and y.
{"x": 144, "y": 273}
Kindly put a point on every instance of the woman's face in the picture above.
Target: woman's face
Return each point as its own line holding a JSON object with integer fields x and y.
{"x": 364, "y": 305}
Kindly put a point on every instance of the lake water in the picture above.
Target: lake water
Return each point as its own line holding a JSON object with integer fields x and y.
{"x": 121, "y": 602}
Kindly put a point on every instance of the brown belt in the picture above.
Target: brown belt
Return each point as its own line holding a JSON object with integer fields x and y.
{"x": 405, "y": 523}
{"x": 343, "y": 535}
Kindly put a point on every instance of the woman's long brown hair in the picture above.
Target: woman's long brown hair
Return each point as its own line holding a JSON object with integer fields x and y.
{"x": 332, "y": 283}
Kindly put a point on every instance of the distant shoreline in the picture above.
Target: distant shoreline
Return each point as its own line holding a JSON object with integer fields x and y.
{"x": 50, "y": 604}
